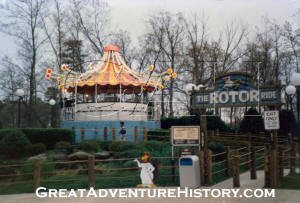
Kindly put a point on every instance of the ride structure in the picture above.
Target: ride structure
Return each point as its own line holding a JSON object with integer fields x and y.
{"x": 109, "y": 92}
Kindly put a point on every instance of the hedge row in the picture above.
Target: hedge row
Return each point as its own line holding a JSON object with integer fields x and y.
{"x": 213, "y": 122}
{"x": 47, "y": 136}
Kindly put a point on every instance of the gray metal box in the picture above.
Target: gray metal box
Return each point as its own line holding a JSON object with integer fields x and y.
{"x": 189, "y": 171}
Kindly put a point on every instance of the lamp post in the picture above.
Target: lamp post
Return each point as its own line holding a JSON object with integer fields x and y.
{"x": 290, "y": 90}
{"x": 52, "y": 102}
{"x": 20, "y": 93}
{"x": 295, "y": 80}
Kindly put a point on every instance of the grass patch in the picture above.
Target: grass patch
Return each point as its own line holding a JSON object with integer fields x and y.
{"x": 291, "y": 181}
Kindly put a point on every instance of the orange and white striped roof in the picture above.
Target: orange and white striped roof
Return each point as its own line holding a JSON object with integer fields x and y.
{"x": 112, "y": 71}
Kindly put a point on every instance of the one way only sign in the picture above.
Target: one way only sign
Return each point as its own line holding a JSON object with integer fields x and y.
{"x": 271, "y": 120}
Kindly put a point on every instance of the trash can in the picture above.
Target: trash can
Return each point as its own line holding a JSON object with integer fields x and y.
{"x": 189, "y": 171}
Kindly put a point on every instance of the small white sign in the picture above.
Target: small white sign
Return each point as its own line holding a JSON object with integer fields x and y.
{"x": 271, "y": 120}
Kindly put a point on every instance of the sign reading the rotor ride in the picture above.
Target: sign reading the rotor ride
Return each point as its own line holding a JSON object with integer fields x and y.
{"x": 185, "y": 135}
{"x": 236, "y": 89}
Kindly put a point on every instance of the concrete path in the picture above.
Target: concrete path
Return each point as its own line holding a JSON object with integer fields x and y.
{"x": 282, "y": 196}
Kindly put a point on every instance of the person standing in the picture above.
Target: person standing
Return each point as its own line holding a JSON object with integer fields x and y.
{"x": 122, "y": 132}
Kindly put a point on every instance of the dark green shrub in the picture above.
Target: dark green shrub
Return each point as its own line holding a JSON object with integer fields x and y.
{"x": 288, "y": 123}
{"x": 36, "y": 149}
{"x": 13, "y": 143}
{"x": 62, "y": 146}
{"x": 49, "y": 136}
{"x": 159, "y": 135}
{"x": 216, "y": 147}
{"x": 155, "y": 146}
{"x": 90, "y": 146}
{"x": 252, "y": 122}
{"x": 124, "y": 146}
{"x": 104, "y": 144}
{"x": 213, "y": 122}
{"x": 131, "y": 153}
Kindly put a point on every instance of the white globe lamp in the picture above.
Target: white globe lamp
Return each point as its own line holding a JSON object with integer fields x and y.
{"x": 20, "y": 92}
{"x": 52, "y": 102}
{"x": 290, "y": 90}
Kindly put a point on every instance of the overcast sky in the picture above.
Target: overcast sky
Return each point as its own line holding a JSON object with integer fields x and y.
{"x": 130, "y": 15}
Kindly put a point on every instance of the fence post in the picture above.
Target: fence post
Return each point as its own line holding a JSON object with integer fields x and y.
{"x": 281, "y": 162}
{"x": 292, "y": 157}
{"x": 274, "y": 169}
{"x": 249, "y": 156}
{"x": 227, "y": 162}
{"x": 208, "y": 167}
{"x": 236, "y": 170}
{"x": 136, "y": 135}
{"x": 105, "y": 133}
{"x": 267, "y": 167}
{"x": 173, "y": 170}
{"x": 253, "y": 163}
{"x": 113, "y": 134}
{"x": 95, "y": 132}
{"x": 82, "y": 135}
{"x": 145, "y": 136}
{"x": 91, "y": 171}
{"x": 37, "y": 174}
{"x": 202, "y": 168}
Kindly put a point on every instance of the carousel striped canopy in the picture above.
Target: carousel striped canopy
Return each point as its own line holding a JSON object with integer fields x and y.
{"x": 110, "y": 71}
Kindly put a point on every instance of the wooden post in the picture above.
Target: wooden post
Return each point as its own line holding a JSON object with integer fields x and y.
{"x": 209, "y": 167}
{"x": 202, "y": 167}
{"x": 267, "y": 167}
{"x": 292, "y": 157}
{"x": 173, "y": 170}
{"x": 136, "y": 135}
{"x": 95, "y": 132}
{"x": 227, "y": 162}
{"x": 253, "y": 163}
{"x": 249, "y": 156}
{"x": 91, "y": 172}
{"x": 236, "y": 170}
{"x": 82, "y": 135}
{"x": 217, "y": 132}
{"x": 37, "y": 174}
{"x": 281, "y": 162}
{"x": 113, "y": 134}
{"x": 105, "y": 133}
{"x": 145, "y": 137}
{"x": 273, "y": 169}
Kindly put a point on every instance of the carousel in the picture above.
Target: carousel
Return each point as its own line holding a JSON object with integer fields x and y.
{"x": 109, "y": 90}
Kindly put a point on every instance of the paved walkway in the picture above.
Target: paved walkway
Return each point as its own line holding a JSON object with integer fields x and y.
{"x": 282, "y": 196}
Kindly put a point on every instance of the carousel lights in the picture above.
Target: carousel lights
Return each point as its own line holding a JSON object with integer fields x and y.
{"x": 174, "y": 75}
{"x": 151, "y": 68}
{"x": 64, "y": 67}
{"x": 167, "y": 78}
{"x": 48, "y": 73}
{"x": 170, "y": 71}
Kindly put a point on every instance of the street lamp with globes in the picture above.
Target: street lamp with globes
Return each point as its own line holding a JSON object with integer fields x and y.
{"x": 20, "y": 93}
{"x": 52, "y": 102}
{"x": 290, "y": 90}
{"x": 295, "y": 80}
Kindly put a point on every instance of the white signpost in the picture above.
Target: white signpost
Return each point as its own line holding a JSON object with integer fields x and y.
{"x": 271, "y": 120}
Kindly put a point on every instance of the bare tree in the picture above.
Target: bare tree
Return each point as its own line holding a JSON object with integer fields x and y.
{"x": 23, "y": 21}
{"x": 92, "y": 17}
{"x": 168, "y": 35}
